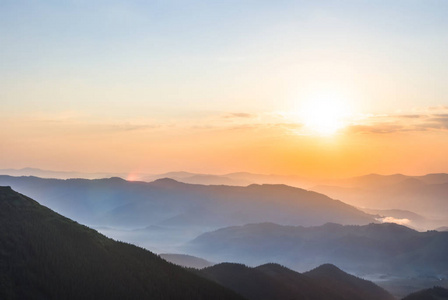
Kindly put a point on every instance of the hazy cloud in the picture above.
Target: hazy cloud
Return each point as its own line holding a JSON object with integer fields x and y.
{"x": 376, "y": 128}
{"x": 402, "y": 123}
{"x": 131, "y": 127}
{"x": 394, "y": 220}
{"x": 239, "y": 115}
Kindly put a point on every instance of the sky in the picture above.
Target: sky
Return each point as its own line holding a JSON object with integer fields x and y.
{"x": 315, "y": 88}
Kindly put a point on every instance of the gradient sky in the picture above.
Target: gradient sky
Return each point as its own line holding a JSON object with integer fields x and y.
{"x": 222, "y": 86}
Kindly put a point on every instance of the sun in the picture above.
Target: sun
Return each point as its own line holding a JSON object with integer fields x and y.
{"x": 325, "y": 114}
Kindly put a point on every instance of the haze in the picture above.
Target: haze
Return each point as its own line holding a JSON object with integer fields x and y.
{"x": 216, "y": 87}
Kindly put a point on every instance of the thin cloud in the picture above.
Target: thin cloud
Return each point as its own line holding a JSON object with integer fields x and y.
{"x": 131, "y": 127}
{"x": 383, "y": 124}
{"x": 394, "y": 220}
{"x": 239, "y": 115}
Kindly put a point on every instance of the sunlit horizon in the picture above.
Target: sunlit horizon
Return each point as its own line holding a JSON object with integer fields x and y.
{"x": 299, "y": 87}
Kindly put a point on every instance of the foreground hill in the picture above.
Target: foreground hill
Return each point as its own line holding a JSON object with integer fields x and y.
{"x": 371, "y": 249}
{"x": 44, "y": 255}
{"x": 436, "y": 293}
{"x": 350, "y": 286}
{"x": 166, "y": 204}
{"x": 272, "y": 281}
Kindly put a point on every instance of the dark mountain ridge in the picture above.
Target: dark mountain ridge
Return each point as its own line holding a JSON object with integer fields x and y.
{"x": 44, "y": 255}
{"x": 273, "y": 281}
{"x": 435, "y": 293}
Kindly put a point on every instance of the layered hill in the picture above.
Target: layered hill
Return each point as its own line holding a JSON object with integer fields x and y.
{"x": 435, "y": 293}
{"x": 165, "y": 205}
{"x": 426, "y": 195}
{"x": 44, "y": 255}
{"x": 388, "y": 249}
{"x": 351, "y": 287}
{"x": 116, "y": 201}
{"x": 272, "y": 281}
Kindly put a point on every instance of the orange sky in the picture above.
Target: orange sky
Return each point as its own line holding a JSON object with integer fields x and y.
{"x": 410, "y": 144}
{"x": 315, "y": 88}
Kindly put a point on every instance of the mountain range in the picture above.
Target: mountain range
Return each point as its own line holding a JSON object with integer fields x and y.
{"x": 272, "y": 281}
{"x": 383, "y": 249}
{"x": 426, "y": 195}
{"x": 236, "y": 178}
{"x": 435, "y": 293}
{"x": 175, "y": 212}
{"x": 387, "y": 193}
{"x": 44, "y": 255}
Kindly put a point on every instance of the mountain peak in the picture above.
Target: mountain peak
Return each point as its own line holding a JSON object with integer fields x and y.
{"x": 5, "y": 188}
{"x": 390, "y": 227}
{"x": 166, "y": 182}
{"x": 10, "y": 197}
{"x": 327, "y": 269}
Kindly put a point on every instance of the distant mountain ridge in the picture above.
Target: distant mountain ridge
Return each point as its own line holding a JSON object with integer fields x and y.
{"x": 370, "y": 249}
{"x": 426, "y": 195}
{"x": 435, "y": 293}
{"x": 44, "y": 255}
{"x": 237, "y": 178}
{"x": 190, "y": 209}
{"x": 58, "y": 174}
{"x": 443, "y": 228}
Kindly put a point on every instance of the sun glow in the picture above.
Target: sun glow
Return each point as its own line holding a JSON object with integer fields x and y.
{"x": 325, "y": 114}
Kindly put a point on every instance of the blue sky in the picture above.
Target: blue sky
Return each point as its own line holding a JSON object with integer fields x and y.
{"x": 90, "y": 66}
{"x": 200, "y": 53}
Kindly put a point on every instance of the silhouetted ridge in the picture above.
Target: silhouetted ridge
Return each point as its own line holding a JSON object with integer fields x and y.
{"x": 113, "y": 179}
{"x": 327, "y": 270}
{"x": 391, "y": 227}
{"x": 272, "y": 267}
{"x": 273, "y": 281}
{"x": 350, "y": 286}
{"x": 271, "y": 186}
{"x": 44, "y": 255}
{"x": 435, "y": 293}
{"x": 166, "y": 182}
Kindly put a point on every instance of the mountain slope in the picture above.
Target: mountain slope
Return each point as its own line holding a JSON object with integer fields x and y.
{"x": 186, "y": 261}
{"x": 371, "y": 249}
{"x": 348, "y": 285}
{"x": 44, "y": 255}
{"x": 272, "y": 281}
{"x": 186, "y": 208}
{"x": 435, "y": 293}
